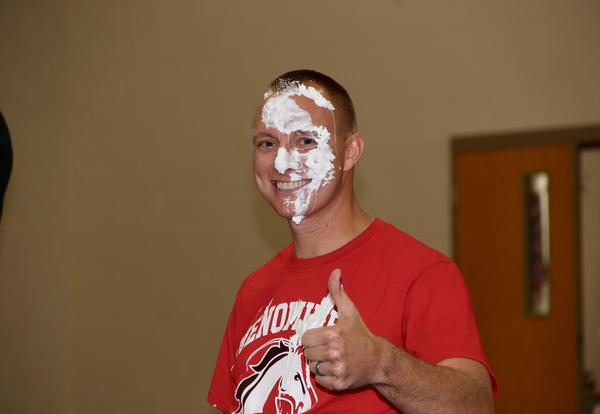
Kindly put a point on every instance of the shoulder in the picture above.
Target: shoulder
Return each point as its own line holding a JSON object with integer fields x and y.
{"x": 402, "y": 249}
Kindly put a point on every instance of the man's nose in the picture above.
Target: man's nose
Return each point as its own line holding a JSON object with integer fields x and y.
{"x": 286, "y": 160}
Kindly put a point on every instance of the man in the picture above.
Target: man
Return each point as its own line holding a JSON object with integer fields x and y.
{"x": 397, "y": 336}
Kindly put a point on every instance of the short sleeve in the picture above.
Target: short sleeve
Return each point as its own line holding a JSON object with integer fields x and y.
{"x": 439, "y": 321}
{"x": 221, "y": 391}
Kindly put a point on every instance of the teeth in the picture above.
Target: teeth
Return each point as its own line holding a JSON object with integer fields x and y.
{"x": 291, "y": 185}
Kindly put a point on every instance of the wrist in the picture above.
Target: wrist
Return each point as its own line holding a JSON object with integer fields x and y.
{"x": 387, "y": 357}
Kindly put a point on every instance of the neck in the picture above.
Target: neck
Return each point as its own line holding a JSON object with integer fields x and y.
{"x": 326, "y": 231}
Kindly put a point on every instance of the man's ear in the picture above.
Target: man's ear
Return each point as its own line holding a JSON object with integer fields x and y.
{"x": 353, "y": 149}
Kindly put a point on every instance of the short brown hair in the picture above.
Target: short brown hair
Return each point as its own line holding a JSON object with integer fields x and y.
{"x": 336, "y": 91}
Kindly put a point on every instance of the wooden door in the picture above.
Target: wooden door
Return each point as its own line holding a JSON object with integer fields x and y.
{"x": 535, "y": 358}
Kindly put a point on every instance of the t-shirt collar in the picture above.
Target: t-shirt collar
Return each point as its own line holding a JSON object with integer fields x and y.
{"x": 296, "y": 264}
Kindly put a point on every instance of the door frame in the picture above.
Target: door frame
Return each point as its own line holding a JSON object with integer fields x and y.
{"x": 577, "y": 138}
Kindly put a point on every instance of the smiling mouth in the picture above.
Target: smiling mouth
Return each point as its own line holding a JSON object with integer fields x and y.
{"x": 291, "y": 185}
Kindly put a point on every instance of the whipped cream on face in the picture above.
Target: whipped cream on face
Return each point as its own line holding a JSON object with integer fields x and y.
{"x": 287, "y": 160}
{"x": 282, "y": 113}
{"x": 299, "y": 89}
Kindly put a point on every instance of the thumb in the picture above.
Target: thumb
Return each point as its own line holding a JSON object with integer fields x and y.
{"x": 337, "y": 292}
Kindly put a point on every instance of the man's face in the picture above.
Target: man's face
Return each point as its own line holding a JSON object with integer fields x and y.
{"x": 295, "y": 159}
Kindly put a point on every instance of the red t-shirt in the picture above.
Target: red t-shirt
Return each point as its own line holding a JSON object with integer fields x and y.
{"x": 405, "y": 291}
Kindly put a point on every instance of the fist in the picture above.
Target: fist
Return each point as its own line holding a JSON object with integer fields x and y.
{"x": 346, "y": 355}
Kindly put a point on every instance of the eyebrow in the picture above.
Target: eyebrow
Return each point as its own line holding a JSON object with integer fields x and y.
{"x": 302, "y": 132}
{"x": 263, "y": 134}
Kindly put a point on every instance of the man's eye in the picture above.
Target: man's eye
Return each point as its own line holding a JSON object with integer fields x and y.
{"x": 265, "y": 145}
{"x": 307, "y": 141}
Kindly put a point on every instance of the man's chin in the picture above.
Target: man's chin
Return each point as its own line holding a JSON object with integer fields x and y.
{"x": 285, "y": 212}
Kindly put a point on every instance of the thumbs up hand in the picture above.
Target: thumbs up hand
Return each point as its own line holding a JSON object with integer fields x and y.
{"x": 347, "y": 354}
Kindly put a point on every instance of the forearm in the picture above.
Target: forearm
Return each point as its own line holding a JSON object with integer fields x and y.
{"x": 415, "y": 386}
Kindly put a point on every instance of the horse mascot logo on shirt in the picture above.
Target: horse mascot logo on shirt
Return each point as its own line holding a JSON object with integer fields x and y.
{"x": 276, "y": 364}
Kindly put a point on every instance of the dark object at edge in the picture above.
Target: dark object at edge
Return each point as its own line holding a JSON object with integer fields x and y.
{"x": 6, "y": 159}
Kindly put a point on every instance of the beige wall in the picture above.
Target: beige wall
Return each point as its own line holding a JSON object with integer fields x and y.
{"x": 131, "y": 217}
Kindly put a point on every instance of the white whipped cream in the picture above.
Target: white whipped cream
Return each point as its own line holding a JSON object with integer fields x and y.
{"x": 282, "y": 113}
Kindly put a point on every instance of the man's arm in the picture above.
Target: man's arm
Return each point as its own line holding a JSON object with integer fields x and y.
{"x": 456, "y": 385}
{"x": 350, "y": 356}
